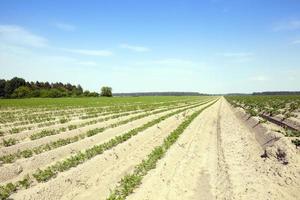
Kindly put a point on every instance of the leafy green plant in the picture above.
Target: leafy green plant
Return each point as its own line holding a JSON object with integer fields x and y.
{"x": 63, "y": 120}
{"x": 14, "y": 130}
{"x": 291, "y": 133}
{"x": 71, "y": 127}
{"x": 9, "y": 142}
{"x": 43, "y": 133}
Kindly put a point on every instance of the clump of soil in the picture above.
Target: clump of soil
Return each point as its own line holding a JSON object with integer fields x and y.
{"x": 281, "y": 150}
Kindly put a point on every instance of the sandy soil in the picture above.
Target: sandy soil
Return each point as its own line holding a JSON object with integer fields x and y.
{"x": 18, "y": 169}
{"x": 23, "y": 135}
{"x": 71, "y": 133}
{"x": 219, "y": 158}
{"x": 94, "y": 178}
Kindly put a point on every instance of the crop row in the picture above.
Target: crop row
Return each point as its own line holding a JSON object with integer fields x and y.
{"x": 130, "y": 181}
{"x": 267, "y": 107}
{"x": 79, "y": 158}
{"x": 271, "y": 105}
{"x": 62, "y": 142}
{"x": 51, "y": 120}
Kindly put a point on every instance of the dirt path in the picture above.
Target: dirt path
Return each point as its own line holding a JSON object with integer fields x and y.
{"x": 251, "y": 176}
{"x": 217, "y": 157}
{"x": 187, "y": 170}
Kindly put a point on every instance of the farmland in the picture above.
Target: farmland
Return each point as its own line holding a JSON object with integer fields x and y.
{"x": 200, "y": 147}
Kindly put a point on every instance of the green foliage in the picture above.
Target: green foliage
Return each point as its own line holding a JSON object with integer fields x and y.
{"x": 14, "y": 130}
{"x": 63, "y": 120}
{"x": 8, "y": 158}
{"x": 72, "y": 126}
{"x": 290, "y": 133}
{"x": 27, "y": 153}
{"x": 43, "y": 133}
{"x": 43, "y": 175}
{"x": 25, "y": 183}
{"x": 21, "y": 92}
{"x": 9, "y": 142}
{"x": 106, "y": 91}
{"x": 2, "y": 88}
{"x": 296, "y": 142}
{"x": 13, "y": 84}
{"x": 7, "y": 190}
{"x": 19, "y": 88}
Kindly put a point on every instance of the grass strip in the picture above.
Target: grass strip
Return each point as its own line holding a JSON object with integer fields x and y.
{"x": 130, "y": 181}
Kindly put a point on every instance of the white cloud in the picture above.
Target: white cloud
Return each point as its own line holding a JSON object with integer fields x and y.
{"x": 135, "y": 48}
{"x": 236, "y": 54}
{"x": 296, "y": 42}
{"x": 89, "y": 52}
{"x": 65, "y": 27}
{"x": 170, "y": 63}
{"x": 173, "y": 61}
{"x": 17, "y": 35}
{"x": 287, "y": 26}
{"x": 87, "y": 63}
{"x": 259, "y": 78}
{"x": 238, "y": 57}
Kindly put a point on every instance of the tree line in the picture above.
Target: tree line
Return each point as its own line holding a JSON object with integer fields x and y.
{"x": 161, "y": 94}
{"x": 19, "y": 88}
{"x": 277, "y": 93}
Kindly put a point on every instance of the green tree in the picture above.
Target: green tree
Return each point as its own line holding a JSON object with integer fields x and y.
{"x": 2, "y": 88}
{"x": 106, "y": 91}
{"x": 21, "y": 92}
{"x": 86, "y": 93}
{"x": 13, "y": 84}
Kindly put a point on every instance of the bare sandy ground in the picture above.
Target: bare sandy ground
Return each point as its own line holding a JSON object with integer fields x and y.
{"x": 219, "y": 158}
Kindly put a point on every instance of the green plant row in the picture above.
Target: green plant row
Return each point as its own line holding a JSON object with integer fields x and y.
{"x": 79, "y": 158}
{"x": 33, "y": 117}
{"x": 270, "y": 105}
{"x": 62, "y": 142}
{"x": 50, "y": 132}
{"x": 130, "y": 181}
{"x": 45, "y": 133}
{"x": 60, "y": 166}
{"x": 291, "y": 133}
{"x": 93, "y": 114}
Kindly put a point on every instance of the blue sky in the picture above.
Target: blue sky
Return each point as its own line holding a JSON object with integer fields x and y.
{"x": 211, "y": 46}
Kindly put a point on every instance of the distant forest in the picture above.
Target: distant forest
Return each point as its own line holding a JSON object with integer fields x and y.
{"x": 266, "y": 93}
{"x": 135, "y": 94}
{"x": 277, "y": 93}
{"x": 19, "y": 88}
